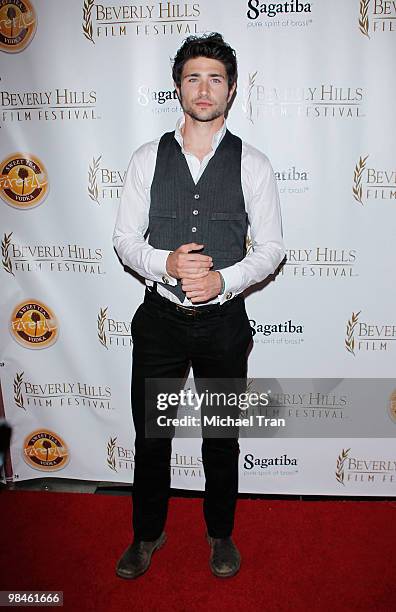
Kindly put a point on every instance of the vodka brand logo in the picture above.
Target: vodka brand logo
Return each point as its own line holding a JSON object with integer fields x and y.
{"x": 107, "y": 20}
{"x": 17, "y": 25}
{"x": 287, "y": 332}
{"x": 45, "y": 450}
{"x": 282, "y": 465}
{"x": 34, "y": 325}
{"x": 111, "y": 332}
{"x": 23, "y": 181}
{"x": 322, "y": 100}
{"x": 372, "y": 182}
{"x": 368, "y": 470}
{"x": 366, "y": 336}
{"x": 59, "y": 104}
{"x": 18, "y": 257}
{"x": 30, "y": 394}
{"x": 292, "y": 14}
{"x": 376, "y": 17}
{"x": 104, "y": 182}
{"x": 320, "y": 262}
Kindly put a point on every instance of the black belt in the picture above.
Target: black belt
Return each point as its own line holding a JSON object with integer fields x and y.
{"x": 152, "y": 296}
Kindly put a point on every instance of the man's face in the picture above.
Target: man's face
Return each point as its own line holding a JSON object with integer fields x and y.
{"x": 203, "y": 92}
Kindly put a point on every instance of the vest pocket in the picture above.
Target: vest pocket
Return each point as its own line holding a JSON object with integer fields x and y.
{"x": 227, "y": 231}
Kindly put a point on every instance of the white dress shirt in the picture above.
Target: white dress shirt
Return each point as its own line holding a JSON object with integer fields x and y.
{"x": 261, "y": 197}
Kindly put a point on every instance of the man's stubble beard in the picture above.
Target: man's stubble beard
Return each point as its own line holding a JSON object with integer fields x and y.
{"x": 219, "y": 111}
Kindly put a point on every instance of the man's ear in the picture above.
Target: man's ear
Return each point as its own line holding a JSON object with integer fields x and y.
{"x": 231, "y": 92}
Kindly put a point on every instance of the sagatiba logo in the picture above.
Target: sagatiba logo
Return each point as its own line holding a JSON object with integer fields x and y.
{"x": 284, "y": 332}
{"x": 163, "y": 18}
{"x": 61, "y": 104}
{"x": 362, "y": 336}
{"x": 34, "y": 325}
{"x": 293, "y": 14}
{"x": 32, "y": 394}
{"x": 113, "y": 333}
{"x": 373, "y": 184}
{"x": 377, "y": 16}
{"x": 21, "y": 257}
{"x": 23, "y": 181}
{"x": 320, "y": 262}
{"x": 362, "y": 470}
{"x": 270, "y": 466}
{"x": 104, "y": 183}
{"x": 326, "y": 100}
{"x": 292, "y": 181}
{"x": 158, "y": 100}
{"x": 18, "y": 24}
{"x": 45, "y": 450}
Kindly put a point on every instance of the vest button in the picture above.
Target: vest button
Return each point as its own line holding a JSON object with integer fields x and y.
{"x": 196, "y": 196}
{"x": 193, "y": 229}
{"x": 195, "y": 212}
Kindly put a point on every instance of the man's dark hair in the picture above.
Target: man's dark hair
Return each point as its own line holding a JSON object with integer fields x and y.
{"x": 209, "y": 45}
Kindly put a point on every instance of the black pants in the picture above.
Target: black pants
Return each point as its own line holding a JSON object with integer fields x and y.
{"x": 164, "y": 343}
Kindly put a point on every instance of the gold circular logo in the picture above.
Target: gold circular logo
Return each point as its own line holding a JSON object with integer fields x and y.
{"x": 17, "y": 25}
{"x": 392, "y": 406}
{"x": 45, "y": 450}
{"x": 23, "y": 181}
{"x": 34, "y": 325}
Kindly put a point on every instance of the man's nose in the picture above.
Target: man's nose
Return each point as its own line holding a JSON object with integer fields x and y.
{"x": 203, "y": 88}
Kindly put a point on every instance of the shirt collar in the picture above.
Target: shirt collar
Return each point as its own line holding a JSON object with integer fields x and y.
{"x": 217, "y": 137}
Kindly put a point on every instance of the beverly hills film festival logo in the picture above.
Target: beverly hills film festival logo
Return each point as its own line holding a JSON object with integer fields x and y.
{"x": 293, "y": 14}
{"x": 320, "y": 262}
{"x": 362, "y": 336}
{"x": 351, "y": 470}
{"x": 23, "y": 181}
{"x": 20, "y": 257}
{"x": 58, "y": 104}
{"x": 372, "y": 183}
{"x": 377, "y": 16}
{"x": 104, "y": 182}
{"x": 30, "y": 394}
{"x": 33, "y": 325}
{"x": 45, "y": 450}
{"x": 18, "y": 23}
{"x": 325, "y": 100}
{"x": 159, "y": 19}
{"x": 111, "y": 332}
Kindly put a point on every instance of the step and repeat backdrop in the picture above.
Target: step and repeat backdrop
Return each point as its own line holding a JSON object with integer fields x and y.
{"x": 82, "y": 85}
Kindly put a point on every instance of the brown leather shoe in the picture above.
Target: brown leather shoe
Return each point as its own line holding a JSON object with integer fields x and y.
{"x": 225, "y": 559}
{"x": 137, "y": 557}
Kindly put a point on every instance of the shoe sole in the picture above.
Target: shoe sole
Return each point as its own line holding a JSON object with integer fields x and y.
{"x": 160, "y": 543}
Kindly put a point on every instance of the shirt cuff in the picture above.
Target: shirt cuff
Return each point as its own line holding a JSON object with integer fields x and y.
{"x": 232, "y": 283}
{"x": 158, "y": 267}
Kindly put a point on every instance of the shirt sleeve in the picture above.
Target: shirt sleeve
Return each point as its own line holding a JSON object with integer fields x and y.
{"x": 133, "y": 220}
{"x": 263, "y": 208}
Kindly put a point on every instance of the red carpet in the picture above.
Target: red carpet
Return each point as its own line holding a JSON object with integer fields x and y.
{"x": 296, "y": 555}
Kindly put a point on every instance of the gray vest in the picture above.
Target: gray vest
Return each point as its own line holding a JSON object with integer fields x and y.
{"x": 212, "y": 212}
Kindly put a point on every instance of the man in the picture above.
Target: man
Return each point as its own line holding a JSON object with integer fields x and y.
{"x": 191, "y": 194}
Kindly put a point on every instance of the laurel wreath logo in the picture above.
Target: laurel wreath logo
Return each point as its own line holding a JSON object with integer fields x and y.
{"x": 247, "y": 98}
{"x": 357, "y": 188}
{"x": 18, "y": 397}
{"x": 92, "y": 184}
{"x": 111, "y": 462}
{"x": 363, "y": 17}
{"x": 248, "y": 245}
{"x": 342, "y": 457}
{"x": 7, "y": 263}
{"x": 101, "y": 326}
{"x": 87, "y": 22}
{"x": 350, "y": 330}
